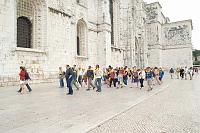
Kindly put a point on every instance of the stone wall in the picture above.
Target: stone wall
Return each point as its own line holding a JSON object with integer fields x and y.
{"x": 177, "y": 45}
{"x": 141, "y": 37}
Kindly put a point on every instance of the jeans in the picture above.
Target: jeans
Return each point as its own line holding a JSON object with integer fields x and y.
{"x": 69, "y": 85}
{"x": 80, "y": 79}
{"x": 149, "y": 82}
{"x": 125, "y": 79}
{"x": 98, "y": 84}
{"x": 61, "y": 83}
{"x": 90, "y": 83}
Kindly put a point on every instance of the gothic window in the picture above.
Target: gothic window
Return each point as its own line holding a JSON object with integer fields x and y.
{"x": 24, "y": 29}
{"x": 112, "y": 22}
{"x": 78, "y": 46}
{"x": 31, "y": 23}
{"x": 81, "y": 38}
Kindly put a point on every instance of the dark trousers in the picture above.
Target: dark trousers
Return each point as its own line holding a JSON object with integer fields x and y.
{"x": 114, "y": 81}
{"x": 141, "y": 83}
{"x": 28, "y": 87}
{"x": 80, "y": 79}
{"x": 182, "y": 75}
{"x": 69, "y": 85}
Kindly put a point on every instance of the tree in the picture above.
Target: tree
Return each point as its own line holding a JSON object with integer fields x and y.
{"x": 196, "y": 53}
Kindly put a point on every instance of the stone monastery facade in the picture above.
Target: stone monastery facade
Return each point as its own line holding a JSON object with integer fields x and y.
{"x": 45, "y": 34}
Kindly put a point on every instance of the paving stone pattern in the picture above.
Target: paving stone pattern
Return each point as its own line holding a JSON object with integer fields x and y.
{"x": 49, "y": 110}
{"x": 174, "y": 110}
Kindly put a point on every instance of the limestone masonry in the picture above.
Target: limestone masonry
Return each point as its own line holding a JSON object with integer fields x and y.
{"x": 45, "y": 34}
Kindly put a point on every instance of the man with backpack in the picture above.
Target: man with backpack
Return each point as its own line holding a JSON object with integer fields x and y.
{"x": 90, "y": 75}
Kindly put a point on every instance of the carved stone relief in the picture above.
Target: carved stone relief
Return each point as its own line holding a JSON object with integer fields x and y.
{"x": 151, "y": 14}
{"x": 177, "y": 34}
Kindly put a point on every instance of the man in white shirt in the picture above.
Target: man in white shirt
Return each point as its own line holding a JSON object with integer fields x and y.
{"x": 98, "y": 77}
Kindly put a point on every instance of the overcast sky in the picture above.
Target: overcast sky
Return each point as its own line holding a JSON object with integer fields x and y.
{"x": 178, "y": 10}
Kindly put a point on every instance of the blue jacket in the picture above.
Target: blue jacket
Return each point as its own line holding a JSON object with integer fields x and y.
{"x": 161, "y": 73}
{"x": 68, "y": 73}
{"x": 149, "y": 75}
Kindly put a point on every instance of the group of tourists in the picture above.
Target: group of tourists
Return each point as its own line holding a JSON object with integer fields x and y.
{"x": 183, "y": 72}
{"x": 119, "y": 77}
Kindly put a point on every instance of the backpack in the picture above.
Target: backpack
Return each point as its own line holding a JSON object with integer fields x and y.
{"x": 27, "y": 77}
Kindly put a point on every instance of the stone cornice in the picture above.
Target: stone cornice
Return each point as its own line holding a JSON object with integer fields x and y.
{"x": 53, "y": 10}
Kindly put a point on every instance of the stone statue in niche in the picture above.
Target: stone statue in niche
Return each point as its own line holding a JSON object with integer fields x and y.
{"x": 178, "y": 35}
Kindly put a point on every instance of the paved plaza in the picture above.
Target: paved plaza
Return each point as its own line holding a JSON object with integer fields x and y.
{"x": 172, "y": 107}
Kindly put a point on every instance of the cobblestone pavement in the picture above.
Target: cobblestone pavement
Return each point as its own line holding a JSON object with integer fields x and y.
{"x": 49, "y": 110}
{"x": 174, "y": 110}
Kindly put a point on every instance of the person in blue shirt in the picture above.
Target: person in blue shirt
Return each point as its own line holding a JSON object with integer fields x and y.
{"x": 149, "y": 75}
{"x": 161, "y": 74}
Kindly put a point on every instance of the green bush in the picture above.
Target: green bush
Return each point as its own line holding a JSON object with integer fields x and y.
{"x": 196, "y": 63}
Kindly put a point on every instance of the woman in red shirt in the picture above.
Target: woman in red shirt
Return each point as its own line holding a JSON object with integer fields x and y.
{"x": 22, "y": 78}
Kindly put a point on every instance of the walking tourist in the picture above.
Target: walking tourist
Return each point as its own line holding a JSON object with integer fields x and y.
{"x": 27, "y": 78}
{"x": 178, "y": 72}
{"x": 171, "y": 72}
{"x": 191, "y": 73}
{"x": 113, "y": 77}
{"x": 90, "y": 76}
{"x": 68, "y": 75}
{"x": 22, "y": 79}
{"x": 149, "y": 76}
{"x": 141, "y": 78}
{"x": 61, "y": 77}
{"x": 74, "y": 77}
{"x": 120, "y": 77}
{"x": 182, "y": 71}
{"x": 80, "y": 76}
{"x": 186, "y": 72}
{"x": 98, "y": 77}
{"x": 135, "y": 75}
{"x": 161, "y": 75}
{"x": 156, "y": 75}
